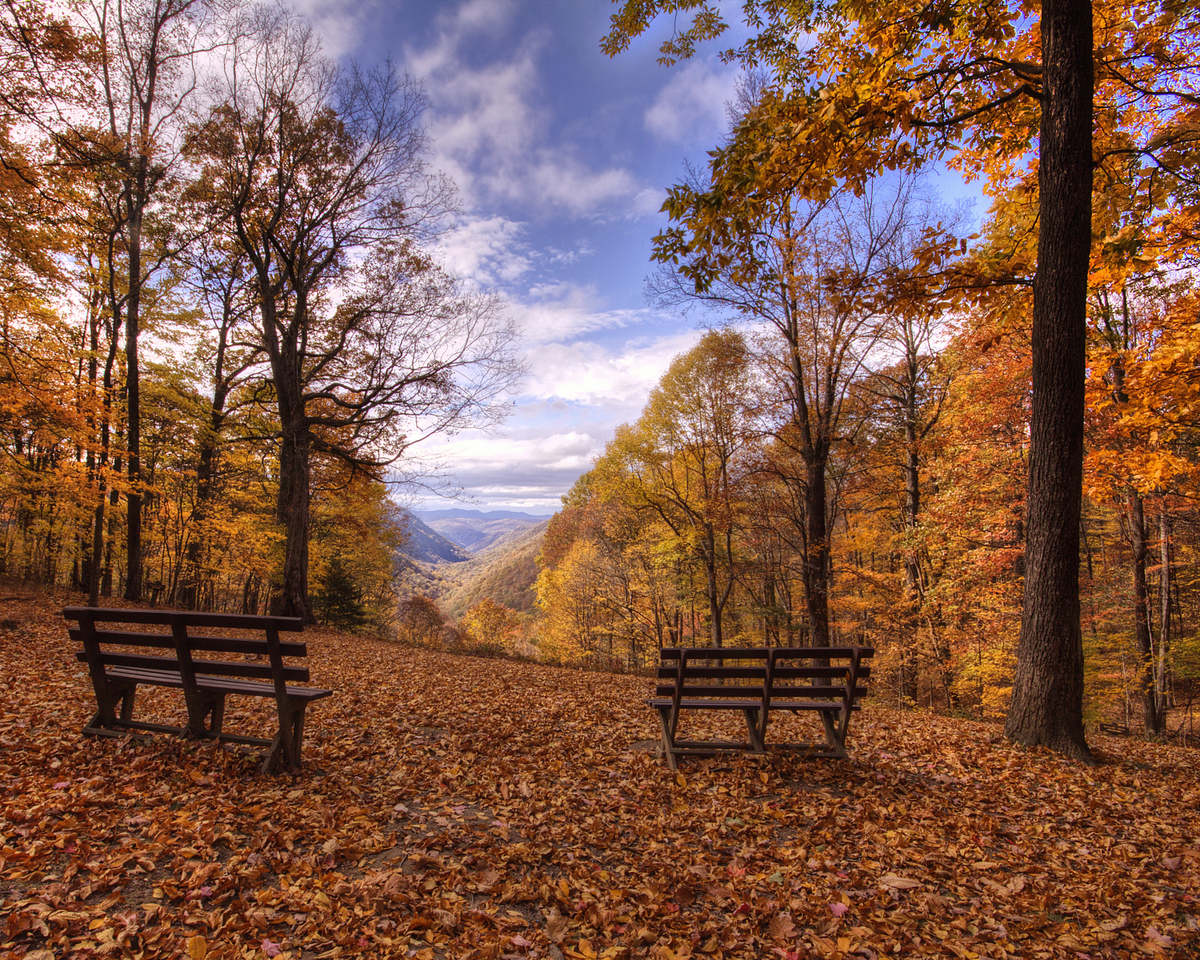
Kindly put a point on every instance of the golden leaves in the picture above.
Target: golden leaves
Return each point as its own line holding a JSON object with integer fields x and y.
{"x": 938, "y": 839}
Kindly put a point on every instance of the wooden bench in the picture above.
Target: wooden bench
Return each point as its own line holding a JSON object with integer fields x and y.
{"x": 161, "y": 652}
{"x": 828, "y": 681}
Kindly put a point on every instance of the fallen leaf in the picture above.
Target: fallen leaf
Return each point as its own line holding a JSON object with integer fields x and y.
{"x": 556, "y": 927}
{"x": 899, "y": 883}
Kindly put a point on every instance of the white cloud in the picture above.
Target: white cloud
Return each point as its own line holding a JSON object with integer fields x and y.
{"x": 522, "y": 474}
{"x": 619, "y": 381}
{"x": 487, "y": 251}
{"x": 559, "y": 313}
{"x": 577, "y": 395}
{"x": 340, "y": 25}
{"x": 691, "y": 107}
{"x": 490, "y": 133}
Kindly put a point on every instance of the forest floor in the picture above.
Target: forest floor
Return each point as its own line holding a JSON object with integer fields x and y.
{"x": 454, "y": 807}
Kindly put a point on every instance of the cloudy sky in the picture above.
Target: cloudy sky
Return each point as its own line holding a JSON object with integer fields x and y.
{"x": 562, "y": 158}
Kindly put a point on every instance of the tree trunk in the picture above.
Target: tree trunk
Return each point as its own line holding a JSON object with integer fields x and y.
{"x": 205, "y": 488}
{"x": 816, "y": 554}
{"x": 1164, "y": 602}
{"x": 909, "y": 668}
{"x": 1141, "y": 613}
{"x": 293, "y": 512}
{"x": 1047, "y": 699}
{"x": 716, "y": 636}
{"x": 133, "y": 439}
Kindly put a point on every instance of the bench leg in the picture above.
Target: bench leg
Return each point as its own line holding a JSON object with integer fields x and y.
{"x": 834, "y": 735}
{"x": 668, "y": 735}
{"x": 286, "y": 745}
{"x": 206, "y": 713}
{"x": 112, "y": 694}
{"x": 752, "y": 724}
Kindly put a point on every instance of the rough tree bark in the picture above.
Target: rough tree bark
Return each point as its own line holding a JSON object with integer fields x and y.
{"x": 1047, "y": 700}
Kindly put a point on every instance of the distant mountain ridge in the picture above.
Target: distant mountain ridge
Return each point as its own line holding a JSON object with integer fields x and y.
{"x": 505, "y": 572}
{"x": 427, "y": 545}
{"x": 461, "y": 512}
{"x": 476, "y": 531}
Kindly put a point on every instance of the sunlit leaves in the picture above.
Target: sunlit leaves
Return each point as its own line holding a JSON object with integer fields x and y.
{"x": 472, "y": 808}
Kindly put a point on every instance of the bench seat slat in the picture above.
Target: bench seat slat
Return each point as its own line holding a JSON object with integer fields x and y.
{"x": 719, "y": 690}
{"x": 708, "y": 704}
{"x": 810, "y": 693}
{"x": 226, "y": 668}
{"x": 167, "y": 678}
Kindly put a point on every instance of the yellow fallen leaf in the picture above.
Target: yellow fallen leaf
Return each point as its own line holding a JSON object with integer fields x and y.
{"x": 899, "y": 883}
{"x": 197, "y": 948}
{"x": 97, "y": 923}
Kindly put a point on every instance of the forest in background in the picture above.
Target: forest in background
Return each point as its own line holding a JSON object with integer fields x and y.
{"x": 223, "y": 331}
{"x": 217, "y": 300}
{"x": 846, "y": 457}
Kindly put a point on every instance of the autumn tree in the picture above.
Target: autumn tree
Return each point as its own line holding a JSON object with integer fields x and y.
{"x": 684, "y": 460}
{"x": 490, "y": 625}
{"x": 885, "y": 87}
{"x": 319, "y": 173}
{"x": 145, "y": 79}
{"x": 817, "y": 274}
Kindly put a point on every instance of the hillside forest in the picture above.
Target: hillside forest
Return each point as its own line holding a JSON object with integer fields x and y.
{"x": 223, "y": 334}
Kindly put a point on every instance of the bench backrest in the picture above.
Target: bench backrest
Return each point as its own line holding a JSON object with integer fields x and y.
{"x": 168, "y": 640}
{"x": 764, "y": 674}
{"x": 725, "y": 673}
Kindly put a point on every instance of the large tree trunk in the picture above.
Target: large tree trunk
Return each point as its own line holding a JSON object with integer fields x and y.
{"x": 1141, "y": 612}
{"x": 1047, "y": 700}
{"x": 716, "y": 633}
{"x": 909, "y": 668}
{"x": 293, "y": 511}
{"x": 133, "y": 403}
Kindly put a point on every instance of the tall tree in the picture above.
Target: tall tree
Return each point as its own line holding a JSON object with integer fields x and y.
{"x": 319, "y": 173}
{"x": 685, "y": 459}
{"x": 819, "y": 276}
{"x": 128, "y": 124}
{"x": 859, "y": 88}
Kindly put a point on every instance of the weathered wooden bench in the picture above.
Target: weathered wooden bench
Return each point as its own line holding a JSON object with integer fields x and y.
{"x": 162, "y": 650}
{"x": 828, "y": 681}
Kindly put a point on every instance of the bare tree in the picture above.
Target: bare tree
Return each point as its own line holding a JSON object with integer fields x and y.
{"x": 319, "y": 172}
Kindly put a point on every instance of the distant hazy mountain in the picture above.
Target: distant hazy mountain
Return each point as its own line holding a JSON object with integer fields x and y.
{"x": 476, "y": 531}
{"x": 426, "y": 544}
{"x": 505, "y": 572}
{"x": 462, "y": 512}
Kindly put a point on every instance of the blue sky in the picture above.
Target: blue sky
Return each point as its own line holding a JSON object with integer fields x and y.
{"x": 562, "y": 158}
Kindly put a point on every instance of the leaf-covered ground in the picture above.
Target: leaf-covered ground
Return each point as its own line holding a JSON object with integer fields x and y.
{"x": 464, "y": 808}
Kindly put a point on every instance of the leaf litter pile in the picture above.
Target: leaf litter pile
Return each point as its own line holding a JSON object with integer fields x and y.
{"x": 454, "y": 807}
